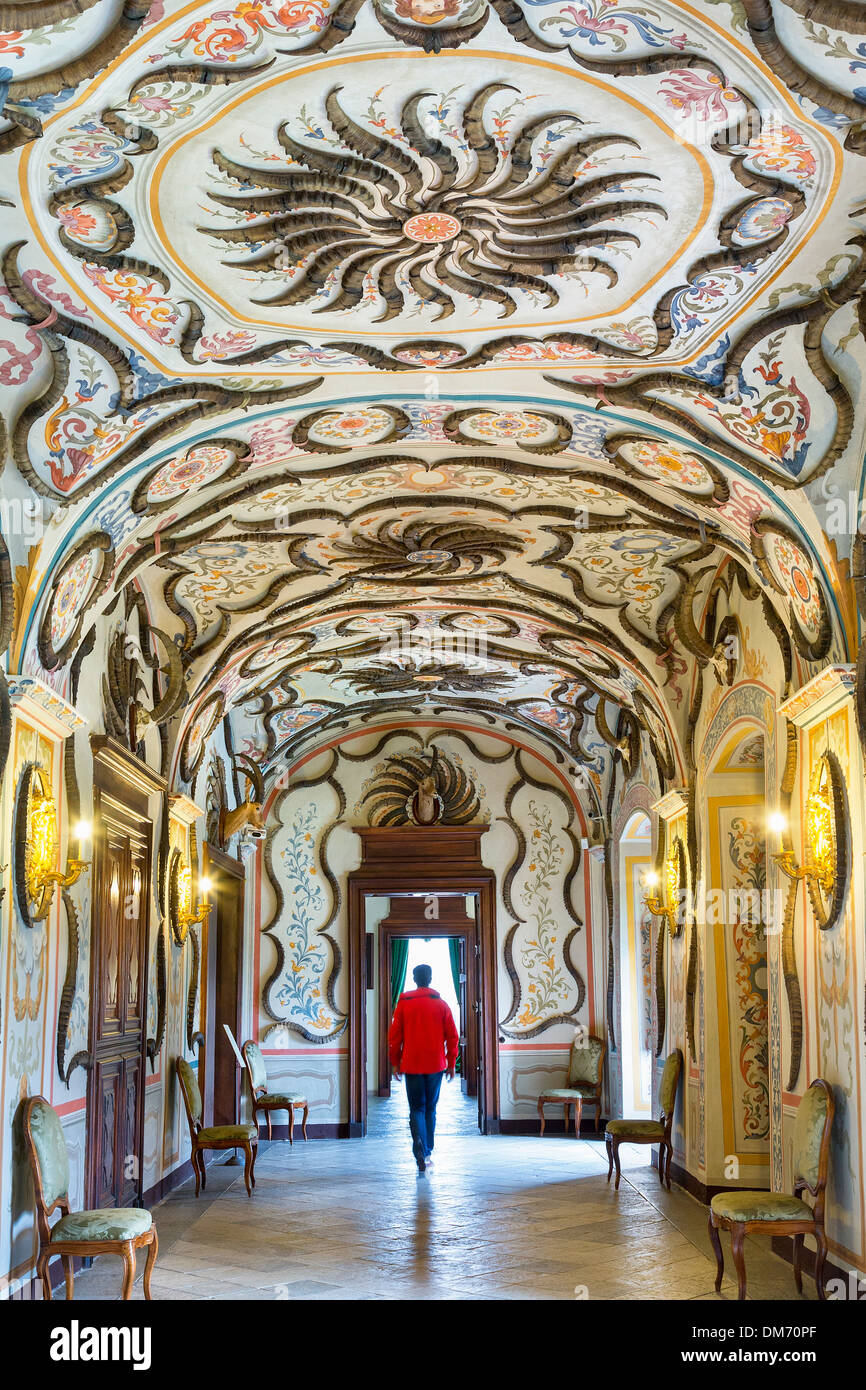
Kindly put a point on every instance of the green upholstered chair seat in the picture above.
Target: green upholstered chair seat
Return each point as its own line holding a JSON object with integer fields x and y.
{"x": 636, "y": 1129}
{"x": 216, "y": 1133}
{"x": 111, "y": 1223}
{"x": 569, "y": 1093}
{"x": 277, "y": 1100}
{"x": 760, "y": 1206}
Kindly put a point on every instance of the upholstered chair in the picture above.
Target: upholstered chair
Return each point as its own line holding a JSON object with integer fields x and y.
{"x": 266, "y": 1100}
{"x": 216, "y": 1136}
{"x": 582, "y": 1085}
{"x": 649, "y": 1131}
{"x": 777, "y": 1213}
{"x": 108, "y": 1231}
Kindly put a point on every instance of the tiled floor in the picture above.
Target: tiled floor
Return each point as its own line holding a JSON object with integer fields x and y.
{"x": 496, "y": 1218}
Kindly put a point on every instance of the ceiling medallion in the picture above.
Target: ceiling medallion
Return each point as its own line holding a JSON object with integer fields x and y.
{"x": 429, "y": 557}
{"x": 431, "y": 226}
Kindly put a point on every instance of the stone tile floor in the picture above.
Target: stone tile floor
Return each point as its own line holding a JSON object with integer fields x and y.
{"x": 495, "y": 1218}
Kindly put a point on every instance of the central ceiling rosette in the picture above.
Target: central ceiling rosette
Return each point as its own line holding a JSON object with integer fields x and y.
{"x": 386, "y": 223}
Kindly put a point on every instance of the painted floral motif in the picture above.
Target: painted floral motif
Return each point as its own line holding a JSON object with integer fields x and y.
{"x": 698, "y": 95}
{"x": 761, "y": 220}
{"x": 229, "y": 35}
{"x": 87, "y": 151}
{"x": 88, "y": 224}
{"x": 140, "y": 299}
{"x": 78, "y": 435}
{"x": 747, "y": 852}
{"x": 548, "y": 986}
{"x": 516, "y": 426}
{"x": 705, "y": 297}
{"x": 352, "y": 427}
{"x": 780, "y": 149}
{"x": 794, "y": 571}
{"x": 630, "y": 568}
{"x": 778, "y": 426}
{"x": 70, "y": 597}
{"x": 161, "y": 104}
{"x": 225, "y": 572}
{"x": 605, "y": 25}
{"x": 669, "y": 464}
{"x": 300, "y": 991}
{"x": 179, "y": 475}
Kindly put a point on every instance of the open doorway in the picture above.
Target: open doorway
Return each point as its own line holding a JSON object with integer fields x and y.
{"x": 438, "y": 867}
{"x": 404, "y": 937}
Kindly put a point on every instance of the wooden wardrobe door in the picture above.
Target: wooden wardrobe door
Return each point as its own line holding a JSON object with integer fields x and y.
{"x": 121, "y": 887}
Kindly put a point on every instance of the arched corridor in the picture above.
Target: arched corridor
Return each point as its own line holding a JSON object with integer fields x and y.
{"x": 433, "y": 441}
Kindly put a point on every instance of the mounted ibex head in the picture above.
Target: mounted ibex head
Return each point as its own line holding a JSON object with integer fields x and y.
{"x": 248, "y": 816}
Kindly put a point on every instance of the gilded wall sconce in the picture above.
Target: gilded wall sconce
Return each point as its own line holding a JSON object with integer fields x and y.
{"x": 182, "y": 913}
{"x": 826, "y": 843}
{"x": 669, "y": 899}
{"x": 37, "y": 848}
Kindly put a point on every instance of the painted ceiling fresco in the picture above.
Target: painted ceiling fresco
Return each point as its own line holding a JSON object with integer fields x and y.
{"x": 378, "y": 355}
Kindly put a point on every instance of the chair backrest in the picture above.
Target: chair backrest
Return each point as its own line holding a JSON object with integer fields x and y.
{"x": 256, "y": 1069}
{"x": 585, "y": 1062}
{"x": 669, "y": 1083}
{"x": 812, "y": 1137}
{"x": 190, "y": 1092}
{"x": 49, "y": 1157}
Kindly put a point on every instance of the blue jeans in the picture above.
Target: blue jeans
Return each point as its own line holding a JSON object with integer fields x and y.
{"x": 422, "y": 1088}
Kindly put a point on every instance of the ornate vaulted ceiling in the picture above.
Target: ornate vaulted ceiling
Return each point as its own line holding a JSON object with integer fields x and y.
{"x": 430, "y": 354}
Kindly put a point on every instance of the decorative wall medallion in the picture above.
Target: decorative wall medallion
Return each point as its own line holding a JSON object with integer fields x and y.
{"x": 74, "y": 589}
{"x": 194, "y": 468}
{"x": 203, "y": 725}
{"x": 789, "y": 569}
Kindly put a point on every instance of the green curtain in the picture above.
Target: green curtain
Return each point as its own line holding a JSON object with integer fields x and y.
{"x": 399, "y": 965}
{"x": 454, "y": 953}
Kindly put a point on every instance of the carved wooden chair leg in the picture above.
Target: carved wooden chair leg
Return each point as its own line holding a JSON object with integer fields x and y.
{"x": 541, "y": 1114}
{"x": 608, "y": 1143}
{"x": 195, "y": 1169}
{"x": 152, "y": 1250}
{"x": 738, "y": 1236}
{"x": 268, "y": 1118}
{"x": 291, "y": 1124}
{"x": 616, "y": 1164}
{"x": 716, "y": 1243}
{"x": 69, "y": 1276}
{"x": 203, "y": 1167}
{"x": 128, "y": 1258}
{"x": 578, "y": 1115}
{"x": 42, "y": 1271}
{"x": 248, "y": 1163}
{"x": 304, "y": 1114}
{"x": 662, "y": 1163}
{"x": 820, "y": 1260}
{"x": 798, "y": 1262}
{"x": 255, "y": 1153}
{"x": 668, "y": 1166}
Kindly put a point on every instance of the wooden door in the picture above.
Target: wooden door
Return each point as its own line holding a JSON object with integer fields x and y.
{"x": 119, "y": 935}
{"x": 223, "y": 985}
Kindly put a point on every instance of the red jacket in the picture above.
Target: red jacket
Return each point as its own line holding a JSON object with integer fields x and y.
{"x": 421, "y": 1031}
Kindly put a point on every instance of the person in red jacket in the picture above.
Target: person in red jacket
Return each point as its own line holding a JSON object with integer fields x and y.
{"x": 423, "y": 1046}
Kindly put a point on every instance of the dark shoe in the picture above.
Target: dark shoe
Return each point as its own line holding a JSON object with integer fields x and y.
{"x": 419, "y": 1157}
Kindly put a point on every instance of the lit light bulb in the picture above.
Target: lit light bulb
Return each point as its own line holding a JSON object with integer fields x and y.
{"x": 82, "y": 830}
{"x": 204, "y": 885}
{"x": 652, "y": 878}
{"x": 778, "y": 823}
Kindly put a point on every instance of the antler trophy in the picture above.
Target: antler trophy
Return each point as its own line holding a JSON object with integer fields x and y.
{"x": 247, "y": 817}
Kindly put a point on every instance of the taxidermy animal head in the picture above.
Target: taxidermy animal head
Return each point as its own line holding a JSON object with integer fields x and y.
{"x": 246, "y": 818}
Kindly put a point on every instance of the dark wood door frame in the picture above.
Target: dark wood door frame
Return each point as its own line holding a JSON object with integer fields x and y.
{"x": 222, "y": 985}
{"x": 428, "y": 859}
{"x": 387, "y": 933}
